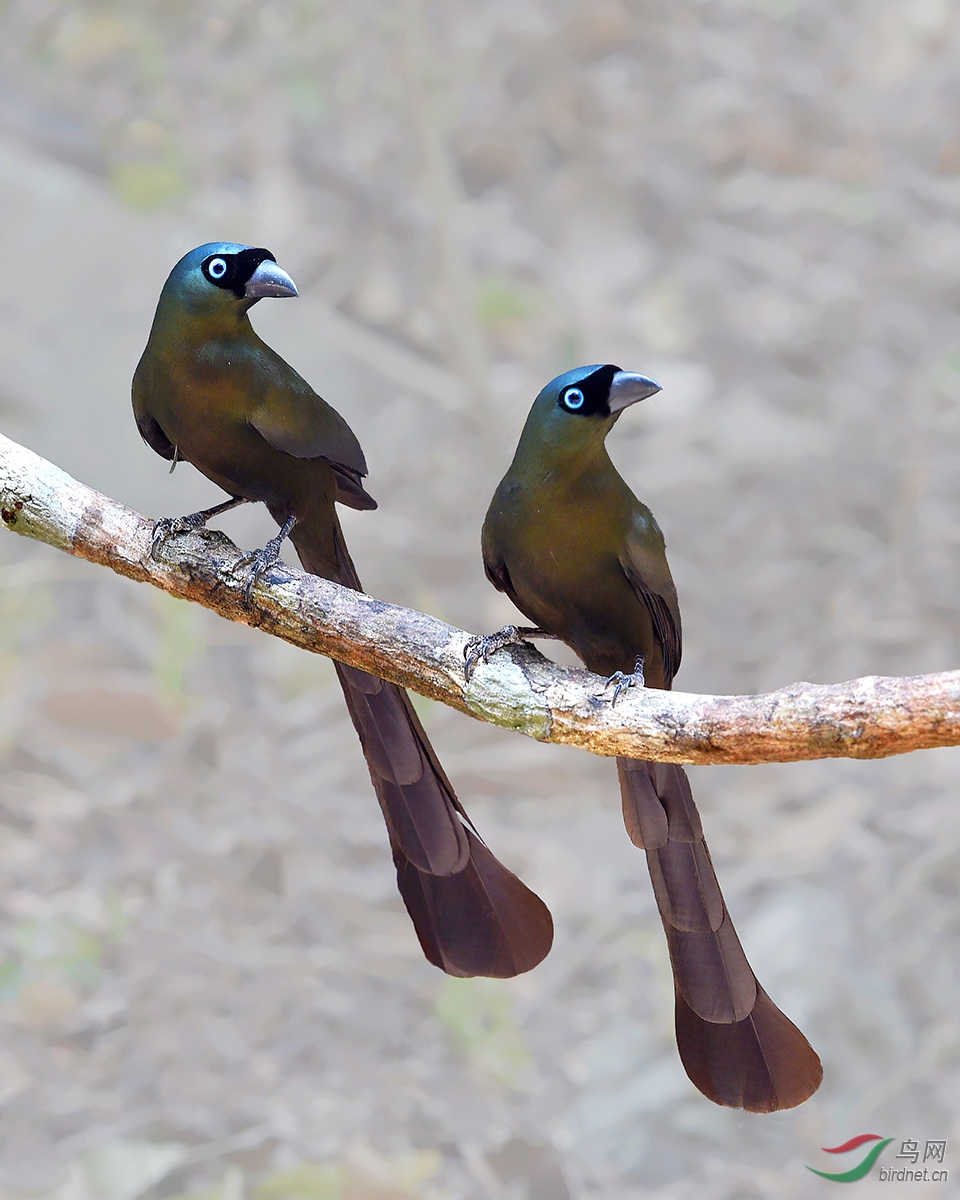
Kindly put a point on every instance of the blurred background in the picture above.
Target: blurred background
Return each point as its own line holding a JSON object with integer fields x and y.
{"x": 208, "y": 985}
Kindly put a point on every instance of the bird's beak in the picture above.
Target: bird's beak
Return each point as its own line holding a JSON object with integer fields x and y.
{"x": 269, "y": 280}
{"x": 627, "y": 389}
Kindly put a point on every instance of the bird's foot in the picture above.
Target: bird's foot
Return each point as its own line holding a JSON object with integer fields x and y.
{"x": 168, "y": 527}
{"x": 171, "y": 527}
{"x": 260, "y": 561}
{"x": 479, "y": 649}
{"x": 620, "y": 681}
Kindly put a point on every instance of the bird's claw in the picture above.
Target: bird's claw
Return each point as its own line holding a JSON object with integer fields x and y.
{"x": 162, "y": 530}
{"x": 170, "y": 527}
{"x": 620, "y": 681}
{"x": 479, "y": 649}
{"x": 259, "y": 562}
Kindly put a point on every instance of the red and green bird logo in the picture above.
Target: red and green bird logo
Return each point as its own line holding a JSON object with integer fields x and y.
{"x": 862, "y": 1167}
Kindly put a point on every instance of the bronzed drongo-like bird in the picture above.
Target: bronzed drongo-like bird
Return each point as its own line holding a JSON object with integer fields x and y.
{"x": 567, "y": 540}
{"x": 210, "y": 392}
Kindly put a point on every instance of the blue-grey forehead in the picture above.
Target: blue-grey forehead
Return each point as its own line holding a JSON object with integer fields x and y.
{"x": 577, "y": 375}
{"x": 596, "y": 376}
{"x": 196, "y": 256}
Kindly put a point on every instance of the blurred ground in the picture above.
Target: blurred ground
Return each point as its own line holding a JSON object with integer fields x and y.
{"x": 209, "y": 987}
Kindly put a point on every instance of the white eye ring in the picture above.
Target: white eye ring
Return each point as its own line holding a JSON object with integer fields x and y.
{"x": 217, "y": 268}
{"x": 573, "y": 398}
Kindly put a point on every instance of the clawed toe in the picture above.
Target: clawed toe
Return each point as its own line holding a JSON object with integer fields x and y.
{"x": 161, "y": 531}
{"x": 620, "y": 681}
{"x": 479, "y": 649}
{"x": 168, "y": 527}
{"x": 259, "y": 562}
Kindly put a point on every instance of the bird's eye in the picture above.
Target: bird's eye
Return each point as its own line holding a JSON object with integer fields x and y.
{"x": 217, "y": 268}
{"x": 572, "y": 399}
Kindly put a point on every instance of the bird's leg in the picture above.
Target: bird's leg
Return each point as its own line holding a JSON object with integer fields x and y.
{"x": 262, "y": 560}
{"x": 479, "y": 649}
{"x": 620, "y": 681}
{"x": 168, "y": 527}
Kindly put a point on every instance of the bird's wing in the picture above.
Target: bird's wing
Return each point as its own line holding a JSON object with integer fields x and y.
{"x": 293, "y": 418}
{"x": 496, "y": 571}
{"x": 302, "y": 424}
{"x": 350, "y": 491}
{"x": 154, "y": 436}
{"x": 149, "y": 427}
{"x": 644, "y": 562}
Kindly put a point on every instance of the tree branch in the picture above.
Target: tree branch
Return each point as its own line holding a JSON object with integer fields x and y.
{"x": 519, "y": 689}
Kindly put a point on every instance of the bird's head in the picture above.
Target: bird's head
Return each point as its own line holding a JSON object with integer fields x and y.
{"x": 579, "y": 408}
{"x": 224, "y": 277}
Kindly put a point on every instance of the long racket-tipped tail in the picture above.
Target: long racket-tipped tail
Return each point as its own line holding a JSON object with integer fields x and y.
{"x": 472, "y": 916}
{"x": 736, "y": 1046}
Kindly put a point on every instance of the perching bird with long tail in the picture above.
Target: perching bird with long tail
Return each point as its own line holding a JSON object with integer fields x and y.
{"x": 210, "y": 392}
{"x": 566, "y": 539}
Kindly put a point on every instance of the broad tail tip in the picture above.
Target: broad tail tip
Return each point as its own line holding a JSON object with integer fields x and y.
{"x": 761, "y": 1064}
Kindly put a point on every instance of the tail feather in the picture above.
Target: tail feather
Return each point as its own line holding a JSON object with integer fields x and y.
{"x": 762, "y": 1063}
{"x": 481, "y": 921}
{"x": 472, "y": 916}
{"x": 735, "y": 1044}
{"x": 383, "y": 714}
{"x": 674, "y": 867}
{"x": 418, "y": 804}
{"x": 712, "y": 973}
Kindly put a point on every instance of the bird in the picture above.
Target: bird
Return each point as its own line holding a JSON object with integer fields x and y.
{"x": 209, "y": 391}
{"x": 570, "y": 544}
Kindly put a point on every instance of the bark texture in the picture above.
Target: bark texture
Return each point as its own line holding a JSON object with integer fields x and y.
{"x": 519, "y": 689}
